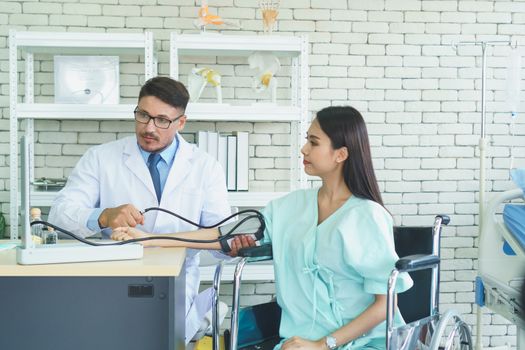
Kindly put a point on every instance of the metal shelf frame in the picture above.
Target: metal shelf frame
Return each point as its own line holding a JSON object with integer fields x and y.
{"x": 30, "y": 43}
{"x": 295, "y": 47}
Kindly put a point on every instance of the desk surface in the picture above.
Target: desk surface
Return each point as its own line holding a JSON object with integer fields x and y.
{"x": 157, "y": 262}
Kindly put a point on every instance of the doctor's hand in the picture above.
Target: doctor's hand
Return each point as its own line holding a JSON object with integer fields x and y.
{"x": 127, "y": 233}
{"x": 122, "y": 216}
{"x": 300, "y": 343}
{"x": 239, "y": 242}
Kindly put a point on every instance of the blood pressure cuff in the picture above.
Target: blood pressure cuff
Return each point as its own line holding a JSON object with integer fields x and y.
{"x": 252, "y": 225}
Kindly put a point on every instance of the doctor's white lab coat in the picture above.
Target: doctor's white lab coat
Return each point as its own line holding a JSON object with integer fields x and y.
{"x": 115, "y": 173}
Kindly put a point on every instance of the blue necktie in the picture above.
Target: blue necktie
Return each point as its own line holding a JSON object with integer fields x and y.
{"x": 153, "y": 160}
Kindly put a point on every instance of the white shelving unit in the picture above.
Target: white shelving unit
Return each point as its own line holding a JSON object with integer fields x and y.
{"x": 219, "y": 45}
{"x": 30, "y": 43}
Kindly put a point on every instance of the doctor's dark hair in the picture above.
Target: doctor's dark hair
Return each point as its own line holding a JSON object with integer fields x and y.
{"x": 167, "y": 90}
{"x": 346, "y": 127}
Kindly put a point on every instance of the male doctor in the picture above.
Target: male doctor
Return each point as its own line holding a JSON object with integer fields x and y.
{"x": 112, "y": 182}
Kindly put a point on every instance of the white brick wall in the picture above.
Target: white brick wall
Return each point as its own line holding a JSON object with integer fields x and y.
{"x": 391, "y": 59}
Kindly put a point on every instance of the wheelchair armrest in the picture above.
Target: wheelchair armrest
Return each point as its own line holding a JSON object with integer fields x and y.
{"x": 262, "y": 251}
{"x": 416, "y": 262}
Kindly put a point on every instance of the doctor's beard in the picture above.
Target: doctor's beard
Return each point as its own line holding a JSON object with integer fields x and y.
{"x": 150, "y": 135}
{"x": 152, "y": 142}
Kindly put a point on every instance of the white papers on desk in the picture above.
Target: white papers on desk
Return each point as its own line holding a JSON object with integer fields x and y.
{"x": 7, "y": 246}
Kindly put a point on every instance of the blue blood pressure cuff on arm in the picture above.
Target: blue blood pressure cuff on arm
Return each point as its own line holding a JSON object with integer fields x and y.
{"x": 252, "y": 225}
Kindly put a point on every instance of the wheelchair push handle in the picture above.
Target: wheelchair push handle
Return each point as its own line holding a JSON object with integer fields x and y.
{"x": 445, "y": 219}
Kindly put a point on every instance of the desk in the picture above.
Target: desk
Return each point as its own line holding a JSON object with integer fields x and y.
{"x": 133, "y": 304}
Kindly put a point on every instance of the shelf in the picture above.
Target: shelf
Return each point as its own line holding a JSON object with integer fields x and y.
{"x": 81, "y": 43}
{"x": 236, "y": 199}
{"x": 295, "y": 110}
{"x": 22, "y": 47}
{"x": 75, "y": 111}
{"x": 255, "y": 112}
{"x": 235, "y": 45}
{"x": 195, "y": 111}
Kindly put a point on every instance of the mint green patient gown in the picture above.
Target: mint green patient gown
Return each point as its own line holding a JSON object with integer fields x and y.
{"x": 327, "y": 274}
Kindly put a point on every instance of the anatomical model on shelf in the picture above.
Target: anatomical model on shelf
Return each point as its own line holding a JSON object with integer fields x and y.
{"x": 270, "y": 10}
{"x": 199, "y": 78}
{"x": 206, "y": 18}
{"x": 266, "y": 65}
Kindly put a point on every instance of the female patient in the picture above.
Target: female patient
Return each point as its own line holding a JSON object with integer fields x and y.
{"x": 333, "y": 246}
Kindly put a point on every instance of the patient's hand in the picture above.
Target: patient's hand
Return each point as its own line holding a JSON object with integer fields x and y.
{"x": 127, "y": 233}
{"x": 300, "y": 343}
{"x": 239, "y": 242}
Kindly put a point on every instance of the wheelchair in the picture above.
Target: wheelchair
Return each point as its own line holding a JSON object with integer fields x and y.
{"x": 425, "y": 328}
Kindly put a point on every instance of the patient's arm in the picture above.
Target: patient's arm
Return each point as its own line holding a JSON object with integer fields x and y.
{"x": 224, "y": 237}
{"x": 363, "y": 323}
{"x": 127, "y": 233}
{"x": 240, "y": 241}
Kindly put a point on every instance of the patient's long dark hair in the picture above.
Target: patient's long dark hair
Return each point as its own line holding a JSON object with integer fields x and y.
{"x": 346, "y": 127}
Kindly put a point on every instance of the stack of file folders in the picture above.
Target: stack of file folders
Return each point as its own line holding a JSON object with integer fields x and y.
{"x": 232, "y": 152}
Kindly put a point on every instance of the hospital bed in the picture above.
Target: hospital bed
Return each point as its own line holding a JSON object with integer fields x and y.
{"x": 502, "y": 259}
{"x": 426, "y": 328}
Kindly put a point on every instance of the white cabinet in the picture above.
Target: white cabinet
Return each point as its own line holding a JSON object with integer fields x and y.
{"x": 23, "y": 46}
{"x": 294, "y": 111}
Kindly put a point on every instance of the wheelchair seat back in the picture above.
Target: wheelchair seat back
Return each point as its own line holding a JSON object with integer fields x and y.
{"x": 414, "y": 304}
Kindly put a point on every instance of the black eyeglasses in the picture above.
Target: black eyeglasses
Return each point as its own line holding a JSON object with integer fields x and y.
{"x": 160, "y": 122}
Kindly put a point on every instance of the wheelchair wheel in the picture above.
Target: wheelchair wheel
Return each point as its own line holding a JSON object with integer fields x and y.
{"x": 451, "y": 333}
{"x": 459, "y": 338}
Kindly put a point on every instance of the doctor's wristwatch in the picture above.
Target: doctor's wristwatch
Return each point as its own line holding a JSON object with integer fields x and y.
{"x": 331, "y": 342}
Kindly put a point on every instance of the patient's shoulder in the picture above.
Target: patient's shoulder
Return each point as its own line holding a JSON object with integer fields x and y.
{"x": 302, "y": 196}
{"x": 368, "y": 210}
